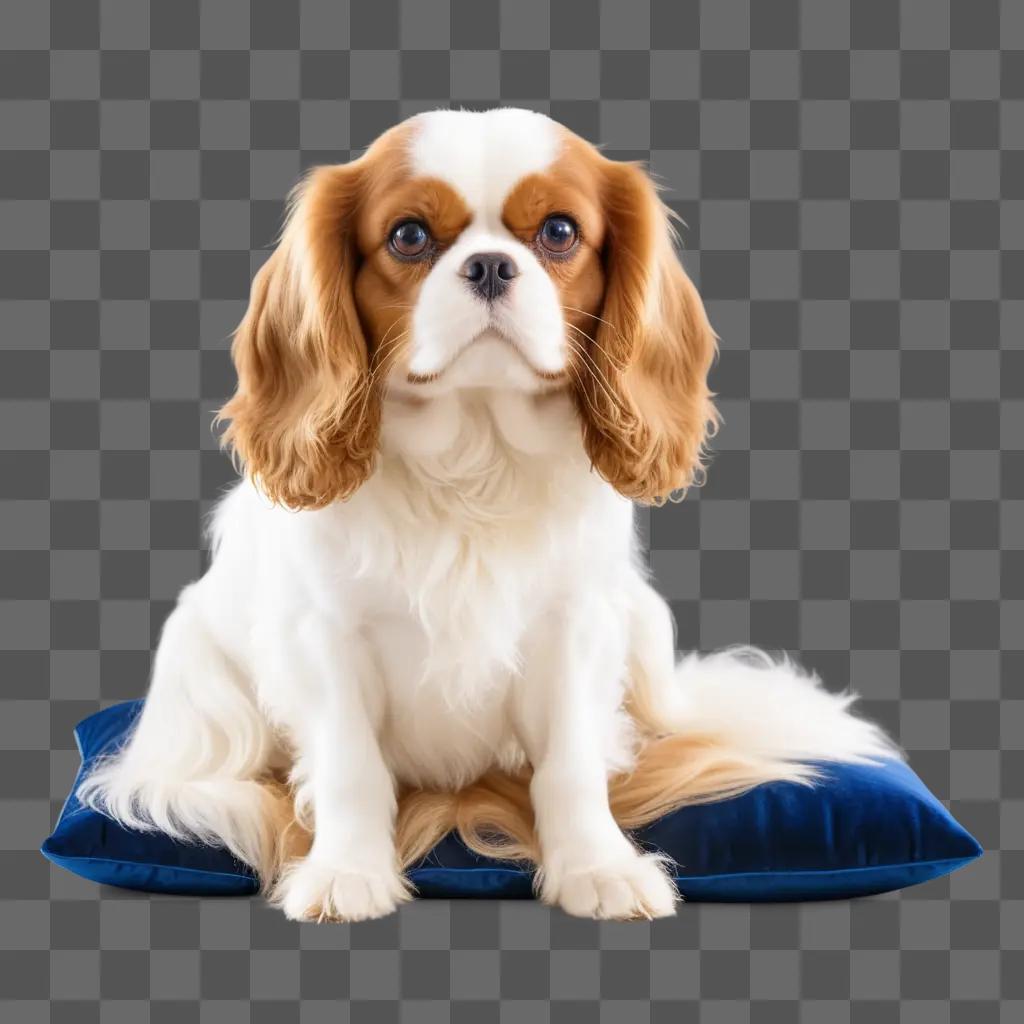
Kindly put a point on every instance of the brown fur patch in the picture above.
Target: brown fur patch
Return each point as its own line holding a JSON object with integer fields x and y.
{"x": 386, "y": 288}
{"x": 640, "y": 342}
{"x": 494, "y": 815}
{"x": 328, "y": 316}
{"x": 570, "y": 187}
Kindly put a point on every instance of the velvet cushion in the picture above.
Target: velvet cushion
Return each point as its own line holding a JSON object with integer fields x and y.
{"x": 862, "y": 830}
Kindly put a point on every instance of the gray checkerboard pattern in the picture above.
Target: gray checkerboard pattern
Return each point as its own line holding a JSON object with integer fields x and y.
{"x": 851, "y": 173}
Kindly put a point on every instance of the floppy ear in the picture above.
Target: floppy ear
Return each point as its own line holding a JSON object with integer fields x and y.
{"x": 304, "y": 421}
{"x": 647, "y": 411}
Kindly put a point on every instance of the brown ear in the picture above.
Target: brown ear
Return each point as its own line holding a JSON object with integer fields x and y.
{"x": 303, "y": 420}
{"x": 647, "y": 410}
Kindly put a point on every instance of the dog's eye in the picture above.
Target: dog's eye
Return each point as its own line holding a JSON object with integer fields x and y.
{"x": 410, "y": 239}
{"x": 558, "y": 235}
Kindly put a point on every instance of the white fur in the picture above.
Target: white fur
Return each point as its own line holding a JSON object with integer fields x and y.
{"x": 482, "y": 156}
{"x": 480, "y": 601}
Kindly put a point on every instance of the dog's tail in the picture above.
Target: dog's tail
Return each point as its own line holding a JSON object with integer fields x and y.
{"x": 726, "y": 722}
{"x": 197, "y": 763}
{"x": 200, "y": 762}
{"x": 714, "y": 727}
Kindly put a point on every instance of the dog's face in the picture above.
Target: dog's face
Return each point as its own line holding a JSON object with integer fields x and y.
{"x": 483, "y": 250}
{"x": 454, "y": 264}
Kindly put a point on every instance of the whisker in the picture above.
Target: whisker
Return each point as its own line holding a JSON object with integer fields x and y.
{"x": 384, "y": 357}
{"x": 621, "y": 367}
{"x": 592, "y": 363}
{"x": 573, "y": 371}
{"x": 386, "y": 346}
{"x": 380, "y": 360}
{"x": 598, "y": 378}
{"x": 391, "y": 327}
{"x": 371, "y": 382}
{"x": 576, "y": 309}
{"x": 584, "y": 392}
{"x": 610, "y": 393}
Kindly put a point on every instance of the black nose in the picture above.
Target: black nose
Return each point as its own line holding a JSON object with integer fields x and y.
{"x": 489, "y": 273}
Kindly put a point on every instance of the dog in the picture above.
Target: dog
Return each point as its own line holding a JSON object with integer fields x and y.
{"x": 473, "y": 350}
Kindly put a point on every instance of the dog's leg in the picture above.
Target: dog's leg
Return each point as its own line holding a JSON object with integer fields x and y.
{"x": 566, "y": 711}
{"x": 655, "y": 697}
{"x": 351, "y": 872}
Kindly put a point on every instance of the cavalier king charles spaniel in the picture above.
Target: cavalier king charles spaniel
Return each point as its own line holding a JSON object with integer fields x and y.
{"x": 472, "y": 351}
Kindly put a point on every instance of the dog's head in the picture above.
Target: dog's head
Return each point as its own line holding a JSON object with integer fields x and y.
{"x": 483, "y": 250}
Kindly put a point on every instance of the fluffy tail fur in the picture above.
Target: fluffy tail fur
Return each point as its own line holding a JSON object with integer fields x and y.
{"x": 199, "y": 765}
{"x": 195, "y": 764}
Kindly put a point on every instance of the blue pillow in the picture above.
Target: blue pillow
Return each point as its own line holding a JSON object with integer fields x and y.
{"x": 863, "y": 830}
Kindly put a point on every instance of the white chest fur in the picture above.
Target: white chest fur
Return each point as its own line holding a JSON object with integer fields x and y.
{"x": 442, "y": 567}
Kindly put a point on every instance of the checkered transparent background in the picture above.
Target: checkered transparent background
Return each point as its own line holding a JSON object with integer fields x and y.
{"x": 851, "y": 173}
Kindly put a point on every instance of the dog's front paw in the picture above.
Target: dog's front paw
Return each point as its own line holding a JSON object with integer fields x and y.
{"x": 621, "y": 889}
{"x": 312, "y": 890}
